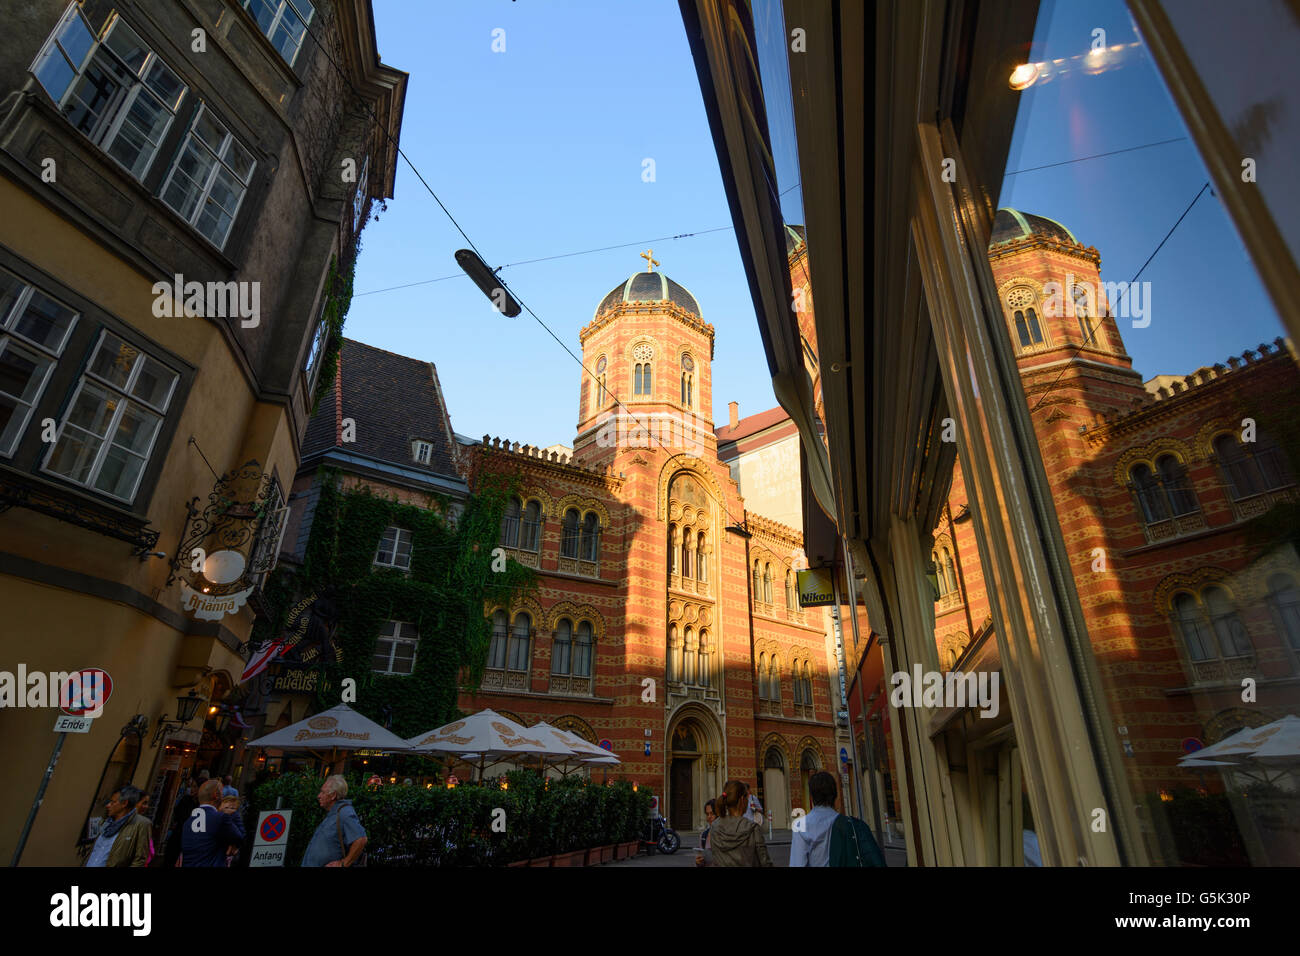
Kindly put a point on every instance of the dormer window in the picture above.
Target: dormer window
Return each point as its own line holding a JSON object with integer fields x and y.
{"x": 422, "y": 452}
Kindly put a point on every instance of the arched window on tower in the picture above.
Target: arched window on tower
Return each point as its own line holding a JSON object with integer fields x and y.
{"x": 941, "y": 579}
{"x": 641, "y": 379}
{"x": 949, "y": 571}
{"x": 602, "y": 394}
{"x": 562, "y": 647}
{"x": 570, "y": 533}
{"x": 674, "y": 655}
{"x": 767, "y": 584}
{"x": 687, "y": 541}
{"x": 701, "y": 561}
{"x": 688, "y": 381}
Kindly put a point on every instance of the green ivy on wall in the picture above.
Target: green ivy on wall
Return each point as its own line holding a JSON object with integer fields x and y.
{"x": 450, "y": 584}
{"x": 338, "y": 299}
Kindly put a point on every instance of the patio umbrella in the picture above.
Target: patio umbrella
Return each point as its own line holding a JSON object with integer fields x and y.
{"x": 582, "y": 751}
{"x": 487, "y": 737}
{"x": 1279, "y": 742}
{"x": 337, "y": 729}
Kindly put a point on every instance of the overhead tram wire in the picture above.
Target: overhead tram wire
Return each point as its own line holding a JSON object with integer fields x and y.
{"x": 1090, "y": 336}
{"x": 475, "y": 248}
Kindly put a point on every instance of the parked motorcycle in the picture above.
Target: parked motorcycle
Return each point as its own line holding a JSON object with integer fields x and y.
{"x": 663, "y": 837}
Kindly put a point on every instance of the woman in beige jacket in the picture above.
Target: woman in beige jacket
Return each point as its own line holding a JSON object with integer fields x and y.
{"x": 735, "y": 839}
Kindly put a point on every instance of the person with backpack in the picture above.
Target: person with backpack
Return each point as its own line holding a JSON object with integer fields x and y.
{"x": 735, "y": 839}
{"x": 811, "y": 843}
{"x": 340, "y": 840}
{"x": 851, "y": 841}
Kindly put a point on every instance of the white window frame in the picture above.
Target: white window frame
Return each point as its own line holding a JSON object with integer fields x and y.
{"x": 418, "y": 446}
{"x": 9, "y": 334}
{"x": 124, "y": 394}
{"x": 397, "y": 541}
{"x": 107, "y": 127}
{"x": 362, "y": 194}
{"x": 205, "y": 194}
{"x": 397, "y": 637}
{"x": 312, "y": 368}
{"x": 280, "y": 6}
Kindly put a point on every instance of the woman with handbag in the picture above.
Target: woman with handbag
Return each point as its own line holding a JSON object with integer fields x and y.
{"x": 340, "y": 840}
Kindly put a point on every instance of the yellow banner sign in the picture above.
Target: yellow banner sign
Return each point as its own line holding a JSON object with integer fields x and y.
{"x": 816, "y": 587}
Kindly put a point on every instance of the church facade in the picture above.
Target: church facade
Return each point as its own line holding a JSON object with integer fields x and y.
{"x": 666, "y": 624}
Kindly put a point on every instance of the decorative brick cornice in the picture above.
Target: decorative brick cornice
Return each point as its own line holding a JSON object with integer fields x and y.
{"x": 660, "y": 307}
{"x": 502, "y": 449}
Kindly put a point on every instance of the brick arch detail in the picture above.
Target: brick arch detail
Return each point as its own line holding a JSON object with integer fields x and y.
{"x": 677, "y": 464}
{"x": 1190, "y": 581}
{"x": 1148, "y": 453}
{"x": 575, "y": 613}
{"x": 779, "y": 742}
{"x": 576, "y": 726}
{"x": 1205, "y": 435}
{"x": 531, "y": 605}
{"x": 542, "y": 497}
{"x": 583, "y": 505}
{"x": 809, "y": 743}
{"x": 958, "y": 641}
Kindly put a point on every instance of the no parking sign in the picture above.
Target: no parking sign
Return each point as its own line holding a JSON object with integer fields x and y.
{"x": 272, "y": 838}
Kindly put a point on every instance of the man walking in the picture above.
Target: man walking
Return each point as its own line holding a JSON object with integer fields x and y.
{"x": 340, "y": 838}
{"x": 124, "y": 840}
{"x": 209, "y": 832}
{"x": 811, "y": 843}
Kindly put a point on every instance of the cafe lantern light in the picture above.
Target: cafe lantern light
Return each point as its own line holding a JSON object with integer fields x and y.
{"x": 1024, "y": 76}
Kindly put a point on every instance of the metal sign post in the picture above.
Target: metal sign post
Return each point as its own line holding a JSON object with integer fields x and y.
{"x": 40, "y": 796}
{"x": 844, "y": 693}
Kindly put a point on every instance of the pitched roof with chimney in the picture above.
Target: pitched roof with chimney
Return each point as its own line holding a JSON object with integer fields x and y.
{"x": 394, "y": 401}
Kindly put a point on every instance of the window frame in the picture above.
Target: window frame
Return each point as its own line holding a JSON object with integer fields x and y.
{"x": 395, "y": 639}
{"x": 268, "y": 32}
{"x": 397, "y": 541}
{"x": 8, "y": 333}
{"x": 126, "y": 396}
{"x": 205, "y": 190}
{"x": 418, "y": 445}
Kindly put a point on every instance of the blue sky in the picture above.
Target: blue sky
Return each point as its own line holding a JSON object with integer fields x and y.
{"x": 538, "y": 151}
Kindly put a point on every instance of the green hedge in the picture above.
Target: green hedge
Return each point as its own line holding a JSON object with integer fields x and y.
{"x": 417, "y": 826}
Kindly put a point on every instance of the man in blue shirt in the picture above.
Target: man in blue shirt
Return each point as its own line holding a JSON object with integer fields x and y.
{"x": 209, "y": 832}
{"x": 811, "y": 843}
{"x": 340, "y": 838}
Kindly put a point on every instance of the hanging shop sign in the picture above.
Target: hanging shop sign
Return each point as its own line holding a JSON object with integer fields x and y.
{"x": 229, "y": 546}
{"x": 816, "y": 587}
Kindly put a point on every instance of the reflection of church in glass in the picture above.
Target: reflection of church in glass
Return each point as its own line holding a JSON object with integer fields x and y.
{"x": 666, "y": 620}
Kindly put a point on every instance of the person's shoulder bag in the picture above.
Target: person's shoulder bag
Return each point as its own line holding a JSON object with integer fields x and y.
{"x": 343, "y": 847}
{"x": 852, "y": 844}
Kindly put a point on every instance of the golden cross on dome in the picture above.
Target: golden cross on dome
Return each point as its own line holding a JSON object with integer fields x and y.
{"x": 650, "y": 260}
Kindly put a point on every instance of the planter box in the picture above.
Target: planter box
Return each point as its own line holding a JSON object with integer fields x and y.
{"x": 518, "y": 863}
{"x": 576, "y": 858}
{"x": 631, "y": 848}
{"x": 606, "y": 854}
{"x": 541, "y": 861}
{"x": 620, "y": 851}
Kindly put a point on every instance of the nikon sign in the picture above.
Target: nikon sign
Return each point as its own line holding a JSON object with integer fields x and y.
{"x": 816, "y": 587}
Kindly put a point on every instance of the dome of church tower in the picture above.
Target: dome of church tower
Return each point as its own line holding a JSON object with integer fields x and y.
{"x": 1011, "y": 224}
{"x": 649, "y": 287}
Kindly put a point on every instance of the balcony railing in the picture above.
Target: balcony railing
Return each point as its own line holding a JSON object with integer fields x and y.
{"x": 1243, "y": 509}
{"x": 770, "y": 708}
{"x": 496, "y": 679}
{"x": 574, "y": 686}
{"x": 1217, "y": 671}
{"x": 1174, "y": 527}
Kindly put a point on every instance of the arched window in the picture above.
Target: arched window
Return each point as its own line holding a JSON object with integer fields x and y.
{"x": 762, "y": 677}
{"x": 688, "y": 380}
{"x": 561, "y": 651}
{"x": 757, "y": 584}
{"x": 789, "y": 592}
{"x": 569, "y": 534}
{"x": 531, "y": 537}
{"x": 701, "y": 562}
{"x": 591, "y": 537}
{"x": 1027, "y": 328}
{"x": 510, "y": 524}
{"x": 774, "y": 679}
{"x": 672, "y": 549}
{"x": 497, "y": 649}
{"x": 602, "y": 394}
{"x": 940, "y": 577}
{"x": 706, "y": 659}
{"x": 692, "y": 650}
{"x": 807, "y": 684}
{"x": 767, "y": 584}
{"x": 687, "y": 541}
{"x": 1195, "y": 632}
{"x": 674, "y": 654}
{"x": 1251, "y": 468}
{"x": 1233, "y": 640}
{"x": 1284, "y": 599}
{"x": 641, "y": 379}
{"x": 1173, "y": 476}
{"x": 582, "y": 647}
{"x": 949, "y": 572}
{"x": 1150, "y": 499}
{"x": 796, "y": 682}
{"x": 519, "y": 639}
{"x": 582, "y": 401}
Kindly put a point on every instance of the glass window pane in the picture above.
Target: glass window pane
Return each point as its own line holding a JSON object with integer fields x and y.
{"x": 99, "y": 87}
{"x": 239, "y": 159}
{"x": 11, "y": 287}
{"x": 113, "y": 360}
{"x": 136, "y": 429}
{"x": 154, "y": 383}
{"x": 22, "y": 371}
{"x": 74, "y": 455}
{"x": 210, "y": 130}
{"x": 126, "y": 43}
{"x": 164, "y": 83}
{"x": 138, "y": 137}
{"x": 93, "y": 409}
{"x": 54, "y": 72}
{"x": 43, "y": 320}
{"x": 119, "y": 473}
{"x": 263, "y": 12}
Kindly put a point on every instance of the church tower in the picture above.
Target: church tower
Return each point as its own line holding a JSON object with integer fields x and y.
{"x": 647, "y": 354}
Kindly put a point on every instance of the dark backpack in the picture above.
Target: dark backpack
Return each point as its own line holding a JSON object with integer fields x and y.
{"x": 853, "y": 845}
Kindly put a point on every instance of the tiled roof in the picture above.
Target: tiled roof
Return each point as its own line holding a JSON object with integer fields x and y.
{"x": 394, "y": 400}
{"x": 752, "y": 425}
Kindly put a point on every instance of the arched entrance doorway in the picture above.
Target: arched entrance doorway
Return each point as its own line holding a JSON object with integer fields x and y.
{"x": 775, "y": 789}
{"x": 694, "y": 743}
{"x": 808, "y": 765}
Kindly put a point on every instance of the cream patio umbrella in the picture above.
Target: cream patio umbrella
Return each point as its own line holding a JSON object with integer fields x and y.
{"x": 583, "y": 752}
{"x": 487, "y": 737}
{"x": 337, "y": 729}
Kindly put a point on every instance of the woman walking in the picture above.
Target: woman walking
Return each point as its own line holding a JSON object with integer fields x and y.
{"x": 735, "y": 839}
